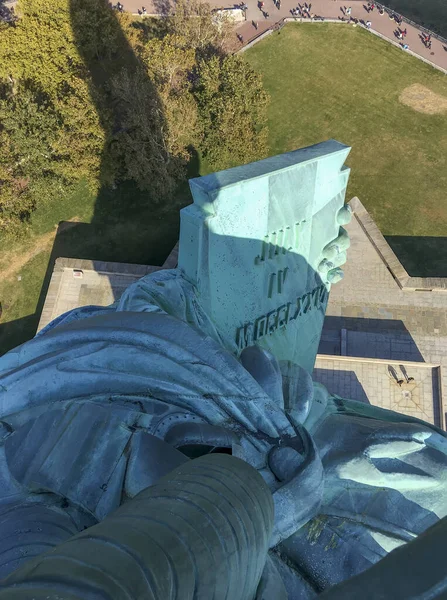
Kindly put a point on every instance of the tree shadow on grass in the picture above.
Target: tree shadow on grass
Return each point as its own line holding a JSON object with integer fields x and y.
{"x": 136, "y": 219}
{"x": 139, "y": 177}
{"x": 151, "y": 28}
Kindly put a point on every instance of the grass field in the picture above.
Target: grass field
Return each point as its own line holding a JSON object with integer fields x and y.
{"x": 326, "y": 81}
{"x": 125, "y": 228}
{"x": 334, "y": 81}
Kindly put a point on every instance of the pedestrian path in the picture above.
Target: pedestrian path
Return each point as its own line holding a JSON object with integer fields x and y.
{"x": 329, "y": 9}
{"x": 336, "y": 9}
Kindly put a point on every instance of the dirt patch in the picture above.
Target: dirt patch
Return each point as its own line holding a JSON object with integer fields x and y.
{"x": 423, "y": 100}
{"x": 16, "y": 260}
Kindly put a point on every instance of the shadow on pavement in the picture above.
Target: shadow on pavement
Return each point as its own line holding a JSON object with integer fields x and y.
{"x": 369, "y": 338}
{"x": 422, "y": 256}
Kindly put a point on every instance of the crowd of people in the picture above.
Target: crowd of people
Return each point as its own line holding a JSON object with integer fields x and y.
{"x": 399, "y": 33}
{"x": 303, "y": 10}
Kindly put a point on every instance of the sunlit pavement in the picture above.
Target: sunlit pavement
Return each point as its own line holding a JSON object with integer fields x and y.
{"x": 331, "y": 9}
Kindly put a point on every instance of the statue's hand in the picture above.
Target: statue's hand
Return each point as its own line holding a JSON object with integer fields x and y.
{"x": 334, "y": 253}
{"x": 397, "y": 458}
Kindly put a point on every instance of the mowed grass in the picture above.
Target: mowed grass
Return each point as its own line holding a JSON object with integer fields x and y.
{"x": 124, "y": 228}
{"x": 337, "y": 81}
{"x": 325, "y": 81}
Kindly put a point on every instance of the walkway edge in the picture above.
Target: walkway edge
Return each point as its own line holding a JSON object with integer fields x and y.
{"x": 425, "y": 60}
{"x": 389, "y": 258}
{"x": 280, "y": 24}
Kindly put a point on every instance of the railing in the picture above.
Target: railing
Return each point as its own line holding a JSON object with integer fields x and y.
{"x": 279, "y": 24}
{"x": 408, "y": 51}
{"x": 410, "y": 22}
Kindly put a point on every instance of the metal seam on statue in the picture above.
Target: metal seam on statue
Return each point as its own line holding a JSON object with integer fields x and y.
{"x": 118, "y": 546}
{"x": 154, "y": 541}
{"x": 200, "y": 483}
{"x": 78, "y": 561}
{"x": 242, "y": 484}
{"x": 194, "y": 527}
{"x": 260, "y": 505}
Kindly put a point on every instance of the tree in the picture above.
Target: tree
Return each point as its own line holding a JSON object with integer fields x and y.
{"x": 27, "y": 137}
{"x": 140, "y": 146}
{"x": 233, "y": 112}
{"x": 87, "y": 95}
{"x": 197, "y": 27}
{"x": 52, "y": 136}
{"x": 169, "y": 66}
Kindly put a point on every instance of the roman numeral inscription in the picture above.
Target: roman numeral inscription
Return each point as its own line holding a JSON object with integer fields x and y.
{"x": 276, "y": 319}
{"x": 278, "y": 243}
{"x": 277, "y": 282}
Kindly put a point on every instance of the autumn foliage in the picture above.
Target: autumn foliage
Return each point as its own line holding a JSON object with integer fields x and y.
{"x": 90, "y": 94}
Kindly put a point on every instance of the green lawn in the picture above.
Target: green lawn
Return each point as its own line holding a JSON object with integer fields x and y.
{"x": 326, "y": 81}
{"x": 124, "y": 228}
{"x": 335, "y": 81}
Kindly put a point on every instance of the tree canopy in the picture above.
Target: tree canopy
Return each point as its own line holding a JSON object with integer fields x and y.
{"x": 87, "y": 93}
{"x": 232, "y": 106}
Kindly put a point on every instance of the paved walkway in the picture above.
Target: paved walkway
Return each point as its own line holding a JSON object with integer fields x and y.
{"x": 370, "y": 316}
{"x": 374, "y": 382}
{"x": 374, "y": 332}
{"x": 334, "y": 9}
{"x": 330, "y": 9}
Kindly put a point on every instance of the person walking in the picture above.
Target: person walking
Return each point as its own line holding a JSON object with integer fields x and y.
{"x": 348, "y": 11}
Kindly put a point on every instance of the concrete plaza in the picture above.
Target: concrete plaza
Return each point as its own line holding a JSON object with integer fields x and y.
{"x": 383, "y": 383}
{"x": 378, "y": 312}
{"x": 378, "y": 320}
